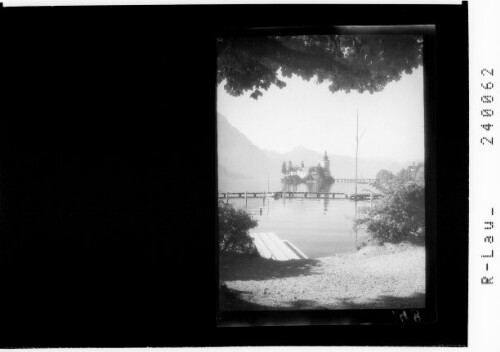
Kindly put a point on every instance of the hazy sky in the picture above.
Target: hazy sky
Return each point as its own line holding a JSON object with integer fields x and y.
{"x": 303, "y": 113}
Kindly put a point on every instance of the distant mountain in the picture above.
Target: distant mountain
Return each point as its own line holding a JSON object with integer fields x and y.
{"x": 237, "y": 154}
{"x": 296, "y": 156}
{"x": 239, "y": 158}
{"x": 345, "y": 166}
{"x": 224, "y": 173}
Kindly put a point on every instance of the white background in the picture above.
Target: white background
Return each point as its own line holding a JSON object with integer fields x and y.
{"x": 484, "y": 176}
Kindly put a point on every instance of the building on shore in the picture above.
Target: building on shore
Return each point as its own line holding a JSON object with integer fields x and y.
{"x": 325, "y": 164}
{"x": 301, "y": 171}
{"x": 317, "y": 173}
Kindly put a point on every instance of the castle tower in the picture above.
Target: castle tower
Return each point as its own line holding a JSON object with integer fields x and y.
{"x": 326, "y": 164}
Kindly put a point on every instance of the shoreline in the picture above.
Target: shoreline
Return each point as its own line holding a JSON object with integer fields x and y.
{"x": 375, "y": 277}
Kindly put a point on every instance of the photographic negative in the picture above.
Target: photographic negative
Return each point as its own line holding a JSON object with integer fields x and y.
{"x": 321, "y": 171}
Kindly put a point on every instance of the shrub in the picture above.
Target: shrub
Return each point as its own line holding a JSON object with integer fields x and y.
{"x": 384, "y": 176}
{"x": 233, "y": 230}
{"x": 400, "y": 215}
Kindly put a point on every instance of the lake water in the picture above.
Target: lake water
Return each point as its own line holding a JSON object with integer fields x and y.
{"x": 318, "y": 227}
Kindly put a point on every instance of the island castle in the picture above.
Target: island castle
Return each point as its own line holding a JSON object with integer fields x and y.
{"x": 321, "y": 172}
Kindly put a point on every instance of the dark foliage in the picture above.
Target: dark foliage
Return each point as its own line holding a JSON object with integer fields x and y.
{"x": 347, "y": 62}
{"x": 400, "y": 215}
{"x": 414, "y": 173}
{"x": 233, "y": 230}
{"x": 384, "y": 176}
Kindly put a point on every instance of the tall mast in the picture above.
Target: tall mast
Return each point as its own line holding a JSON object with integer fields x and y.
{"x": 356, "y": 179}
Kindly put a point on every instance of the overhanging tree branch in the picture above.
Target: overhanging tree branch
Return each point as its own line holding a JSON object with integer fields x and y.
{"x": 360, "y": 62}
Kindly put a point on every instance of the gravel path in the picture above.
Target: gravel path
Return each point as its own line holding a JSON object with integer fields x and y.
{"x": 389, "y": 276}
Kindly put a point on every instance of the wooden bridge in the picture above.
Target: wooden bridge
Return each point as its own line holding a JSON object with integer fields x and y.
{"x": 330, "y": 195}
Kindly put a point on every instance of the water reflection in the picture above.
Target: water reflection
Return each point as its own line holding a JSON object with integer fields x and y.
{"x": 308, "y": 186}
{"x": 318, "y": 226}
{"x": 260, "y": 209}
